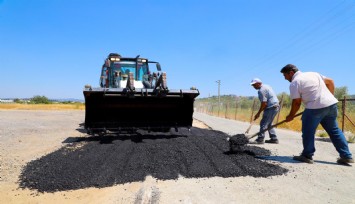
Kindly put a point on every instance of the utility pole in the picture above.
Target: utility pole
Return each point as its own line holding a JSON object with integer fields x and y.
{"x": 219, "y": 88}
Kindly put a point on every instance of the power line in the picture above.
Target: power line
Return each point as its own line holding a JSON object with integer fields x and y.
{"x": 304, "y": 34}
{"x": 327, "y": 32}
{"x": 328, "y": 39}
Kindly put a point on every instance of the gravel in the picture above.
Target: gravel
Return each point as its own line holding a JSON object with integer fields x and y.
{"x": 106, "y": 161}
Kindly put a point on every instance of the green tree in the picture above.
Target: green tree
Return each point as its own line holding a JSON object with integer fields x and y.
{"x": 40, "y": 100}
{"x": 246, "y": 102}
{"x": 17, "y": 100}
{"x": 285, "y": 98}
{"x": 340, "y": 92}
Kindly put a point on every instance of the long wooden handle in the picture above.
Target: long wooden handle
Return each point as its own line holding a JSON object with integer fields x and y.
{"x": 251, "y": 124}
{"x": 272, "y": 126}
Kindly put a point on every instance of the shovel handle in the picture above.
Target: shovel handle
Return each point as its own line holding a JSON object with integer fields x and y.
{"x": 251, "y": 124}
{"x": 272, "y": 126}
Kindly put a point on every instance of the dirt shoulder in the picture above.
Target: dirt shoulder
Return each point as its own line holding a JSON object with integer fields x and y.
{"x": 30, "y": 135}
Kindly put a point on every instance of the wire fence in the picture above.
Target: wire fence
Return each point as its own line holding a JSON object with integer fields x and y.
{"x": 237, "y": 110}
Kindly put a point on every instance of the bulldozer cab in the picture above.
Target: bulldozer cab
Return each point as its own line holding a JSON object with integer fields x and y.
{"x": 115, "y": 72}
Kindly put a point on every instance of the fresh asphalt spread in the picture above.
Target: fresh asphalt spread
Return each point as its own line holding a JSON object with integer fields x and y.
{"x": 111, "y": 160}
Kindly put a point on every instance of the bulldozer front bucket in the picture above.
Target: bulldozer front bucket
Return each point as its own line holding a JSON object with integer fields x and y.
{"x": 120, "y": 109}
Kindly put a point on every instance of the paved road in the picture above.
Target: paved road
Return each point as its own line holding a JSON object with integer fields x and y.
{"x": 233, "y": 127}
{"x": 191, "y": 169}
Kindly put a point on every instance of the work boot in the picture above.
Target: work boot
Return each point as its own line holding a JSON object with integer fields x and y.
{"x": 257, "y": 141}
{"x": 345, "y": 161}
{"x": 272, "y": 141}
{"x": 306, "y": 159}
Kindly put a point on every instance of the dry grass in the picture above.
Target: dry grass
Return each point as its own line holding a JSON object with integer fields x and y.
{"x": 16, "y": 106}
{"x": 244, "y": 115}
{"x": 295, "y": 124}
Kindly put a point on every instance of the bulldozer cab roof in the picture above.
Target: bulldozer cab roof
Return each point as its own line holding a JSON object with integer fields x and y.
{"x": 137, "y": 58}
{"x": 117, "y": 57}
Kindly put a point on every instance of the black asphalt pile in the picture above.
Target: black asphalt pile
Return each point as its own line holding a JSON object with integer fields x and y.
{"x": 111, "y": 160}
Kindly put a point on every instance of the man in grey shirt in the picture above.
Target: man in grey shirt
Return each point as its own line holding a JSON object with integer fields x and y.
{"x": 269, "y": 104}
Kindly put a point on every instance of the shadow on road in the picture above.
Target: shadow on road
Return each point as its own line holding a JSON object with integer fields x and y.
{"x": 289, "y": 159}
{"x": 281, "y": 159}
{"x": 108, "y": 139}
{"x": 323, "y": 139}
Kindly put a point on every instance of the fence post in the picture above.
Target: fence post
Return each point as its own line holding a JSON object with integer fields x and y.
{"x": 252, "y": 111}
{"x": 281, "y": 104}
{"x": 236, "y": 109}
{"x": 343, "y": 114}
{"x": 219, "y": 108}
{"x": 225, "y": 113}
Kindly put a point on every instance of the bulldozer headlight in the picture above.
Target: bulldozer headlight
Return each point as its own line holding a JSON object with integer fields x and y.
{"x": 114, "y": 59}
{"x": 141, "y": 60}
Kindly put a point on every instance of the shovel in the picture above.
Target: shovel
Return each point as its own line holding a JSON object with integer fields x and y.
{"x": 251, "y": 124}
{"x": 269, "y": 128}
{"x": 235, "y": 142}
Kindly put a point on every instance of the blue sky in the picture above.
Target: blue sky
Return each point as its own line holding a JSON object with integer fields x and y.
{"x": 55, "y": 47}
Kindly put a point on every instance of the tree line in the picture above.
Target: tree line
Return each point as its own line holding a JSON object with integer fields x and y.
{"x": 246, "y": 102}
{"x": 39, "y": 100}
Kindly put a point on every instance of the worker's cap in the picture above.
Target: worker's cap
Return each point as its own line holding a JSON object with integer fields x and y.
{"x": 255, "y": 80}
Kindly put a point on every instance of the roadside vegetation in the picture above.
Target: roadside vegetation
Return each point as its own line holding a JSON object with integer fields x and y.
{"x": 42, "y": 103}
{"x": 241, "y": 108}
{"x": 57, "y": 106}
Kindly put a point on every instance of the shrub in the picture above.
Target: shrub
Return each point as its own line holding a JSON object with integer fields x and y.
{"x": 40, "y": 100}
{"x": 350, "y": 137}
{"x": 322, "y": 133}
